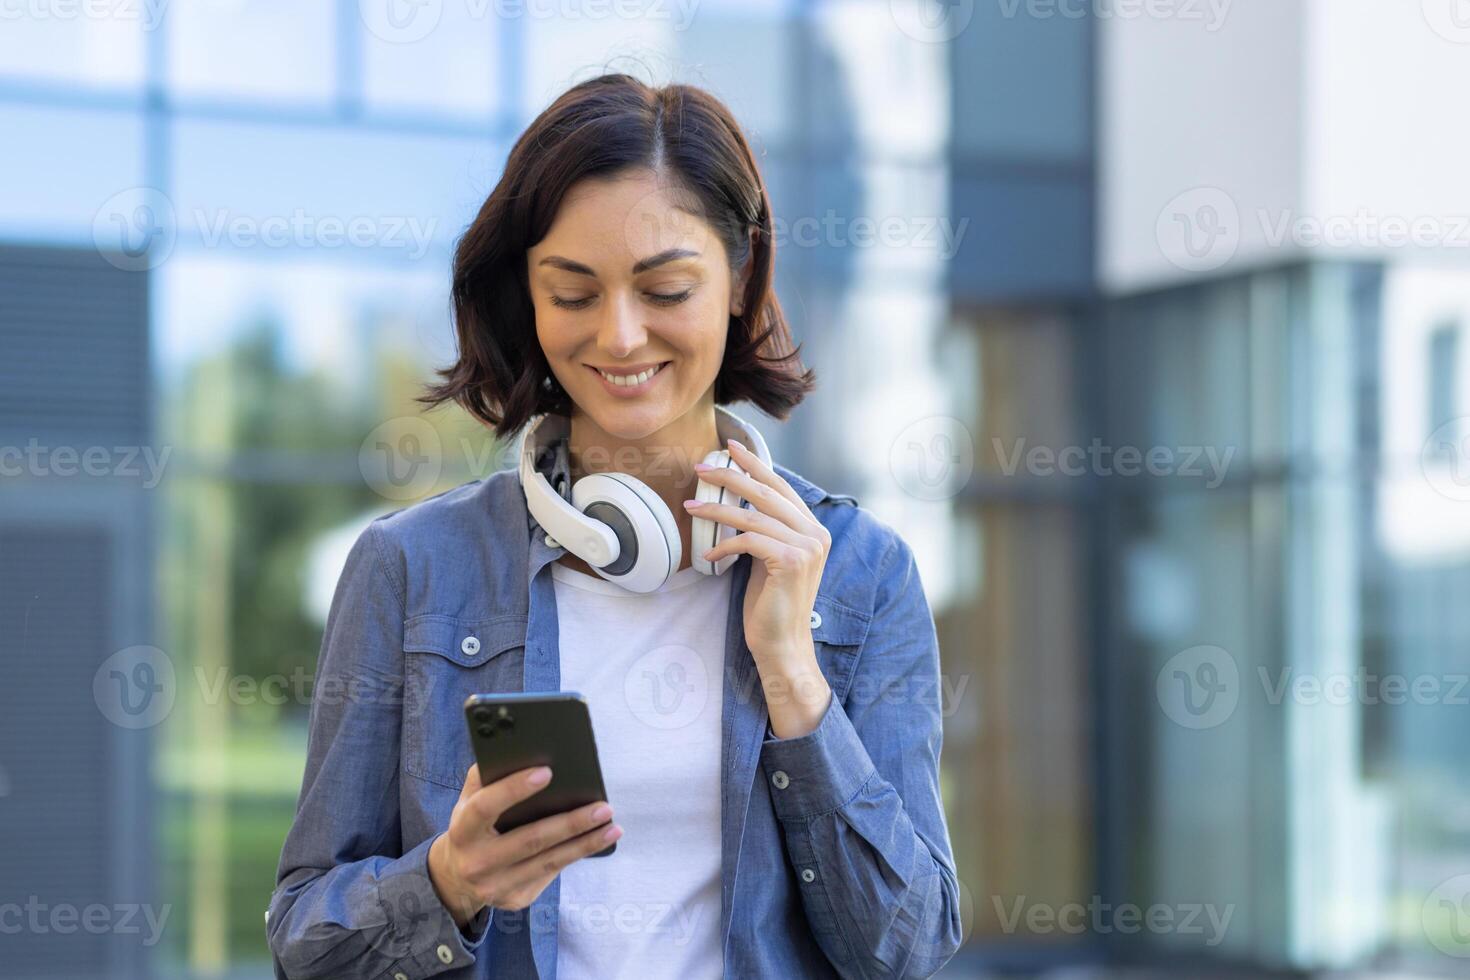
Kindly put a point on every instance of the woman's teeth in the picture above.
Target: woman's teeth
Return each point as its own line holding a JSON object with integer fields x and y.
{"x": 624, "y": 380}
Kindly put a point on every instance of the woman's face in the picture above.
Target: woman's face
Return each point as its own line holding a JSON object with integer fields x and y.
{"x": 627, "y": 281}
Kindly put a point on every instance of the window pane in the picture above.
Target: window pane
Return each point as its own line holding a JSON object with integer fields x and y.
{"x": 877, "y": 88}
{"x": 448, "y": 67}
{"x": 69, "y": 44}
{"x": 54, "y": 186}
{"x": 329, "y": 193}
{"x": 261, "y": 50}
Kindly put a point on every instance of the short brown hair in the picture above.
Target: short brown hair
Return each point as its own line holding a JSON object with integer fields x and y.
{"x": 599, "y": 128}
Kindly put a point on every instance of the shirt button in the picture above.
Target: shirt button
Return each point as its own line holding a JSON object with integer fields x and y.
{"x": 808, "y": 875}
{"x": 780, "y": 778}
{"x": 470, "y": 645}
{"x": 400, "y": 976}
{"x": 816, "y": 619}
{"x": 445, "y": 954}
{"x": 551, "y": 542}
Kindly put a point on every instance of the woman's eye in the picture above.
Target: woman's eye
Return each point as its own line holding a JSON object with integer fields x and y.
{"x": 660, "y": 299}
{"x": 670, "y": 299}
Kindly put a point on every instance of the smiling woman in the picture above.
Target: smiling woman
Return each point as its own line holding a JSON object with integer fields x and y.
{"x": 619, "y": 278}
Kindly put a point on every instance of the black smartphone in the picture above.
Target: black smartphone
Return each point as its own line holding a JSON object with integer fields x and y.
{"x": 509, "y": 732}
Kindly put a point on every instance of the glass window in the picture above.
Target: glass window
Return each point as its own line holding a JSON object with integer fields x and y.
{"x": 55, "y": 186}
{"x": 274, "y": 51}
{"x": 282, "y": 385}
{"x": 1017, "y": 750}
{"x": 743, "y": 52}
{"x": 326, "y": 193}
{"x": 449, "y": 65}
{"x": 90, "y": 46}
{"x": 876, "y": 87}
{"x": 558, "y": 53}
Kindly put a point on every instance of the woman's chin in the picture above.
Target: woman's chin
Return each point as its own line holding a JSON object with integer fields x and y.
{"x": 628, "y": 420}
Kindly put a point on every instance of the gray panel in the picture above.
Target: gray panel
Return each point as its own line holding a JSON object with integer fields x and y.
{"x": 1023, "y": 84}
{"x": 73, "y": 348}
{"x": 75, "y": 586}
{"x": 53, "y": 746}
{"x": 1028, "y": 238}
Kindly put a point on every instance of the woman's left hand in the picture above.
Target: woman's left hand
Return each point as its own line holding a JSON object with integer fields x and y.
{"x": 790, "y": 548}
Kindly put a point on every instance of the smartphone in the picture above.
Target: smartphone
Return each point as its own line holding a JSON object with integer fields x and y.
{"x": 509, "y": 732}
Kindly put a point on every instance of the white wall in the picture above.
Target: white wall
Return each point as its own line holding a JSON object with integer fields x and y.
{"x": 1206, "y": 110}
{"x": 1386, "y": 131}
{"x": 1326, "y": 127}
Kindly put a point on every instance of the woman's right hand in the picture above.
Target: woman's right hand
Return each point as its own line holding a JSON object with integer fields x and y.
{"x": 472, "y": 866}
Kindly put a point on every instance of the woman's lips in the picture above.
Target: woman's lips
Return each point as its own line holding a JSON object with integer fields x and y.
{"x": 630, "y": 391}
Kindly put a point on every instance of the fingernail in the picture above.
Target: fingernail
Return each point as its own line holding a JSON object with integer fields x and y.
{"x": 701, "y": 467}
{"x": 691, "y": 504}
{"x": 734, "y": 445}
{"x": 540, "y": 776}
{"x": 612, "y": 833}
{"x": 601, "y": 813}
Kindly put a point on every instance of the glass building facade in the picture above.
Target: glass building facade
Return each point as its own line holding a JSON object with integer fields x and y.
{"x": 226, "y": 229}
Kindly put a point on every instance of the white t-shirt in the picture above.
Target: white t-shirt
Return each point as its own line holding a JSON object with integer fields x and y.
{"x": 651, "y": 667}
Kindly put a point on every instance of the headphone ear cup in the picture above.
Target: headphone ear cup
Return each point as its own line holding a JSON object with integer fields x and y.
{"x": 705, "y": 533}
{"x": 640, "y": 518}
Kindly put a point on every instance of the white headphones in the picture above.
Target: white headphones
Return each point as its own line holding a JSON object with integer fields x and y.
{"x": 613, "y": 521}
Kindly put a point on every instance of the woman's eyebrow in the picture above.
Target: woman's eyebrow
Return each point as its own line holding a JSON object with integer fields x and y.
{"x": 662, "y": 258}
{"x": 568, "y": 265}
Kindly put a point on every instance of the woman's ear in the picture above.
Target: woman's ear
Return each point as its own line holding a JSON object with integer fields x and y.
{"x": 737, "y": 290}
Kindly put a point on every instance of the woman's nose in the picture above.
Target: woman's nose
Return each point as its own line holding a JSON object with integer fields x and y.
{"x": 621, "y": 331}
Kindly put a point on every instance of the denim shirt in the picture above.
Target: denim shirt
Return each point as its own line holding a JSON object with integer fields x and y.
{"x": 835, "y": 859}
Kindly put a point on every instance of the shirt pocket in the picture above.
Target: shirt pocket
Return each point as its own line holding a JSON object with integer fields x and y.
{"x": 838, "y": 632}
{"x": 445, "y": 660}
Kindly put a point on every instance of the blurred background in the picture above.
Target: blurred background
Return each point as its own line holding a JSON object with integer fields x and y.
{"x": 1143, "y": 321}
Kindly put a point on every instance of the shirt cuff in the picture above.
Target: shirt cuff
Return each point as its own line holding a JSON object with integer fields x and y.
{"x": 818, "y": 772}
{"x": 423, "y": 938}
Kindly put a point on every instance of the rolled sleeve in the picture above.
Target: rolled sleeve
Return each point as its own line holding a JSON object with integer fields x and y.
{"x": 425, "y": 938}
{"x": 818, "y": 772}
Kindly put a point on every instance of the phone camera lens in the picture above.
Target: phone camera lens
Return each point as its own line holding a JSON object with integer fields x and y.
{"x": 485, "y": 731}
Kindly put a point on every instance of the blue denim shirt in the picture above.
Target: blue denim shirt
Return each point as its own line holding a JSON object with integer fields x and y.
{"x": 835, "y": 859}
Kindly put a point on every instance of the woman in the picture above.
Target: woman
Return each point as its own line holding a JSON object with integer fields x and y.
{"x": 769, "y": 736}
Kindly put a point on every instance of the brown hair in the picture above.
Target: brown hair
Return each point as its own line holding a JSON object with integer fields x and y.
{"x": 598, "y": 128}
